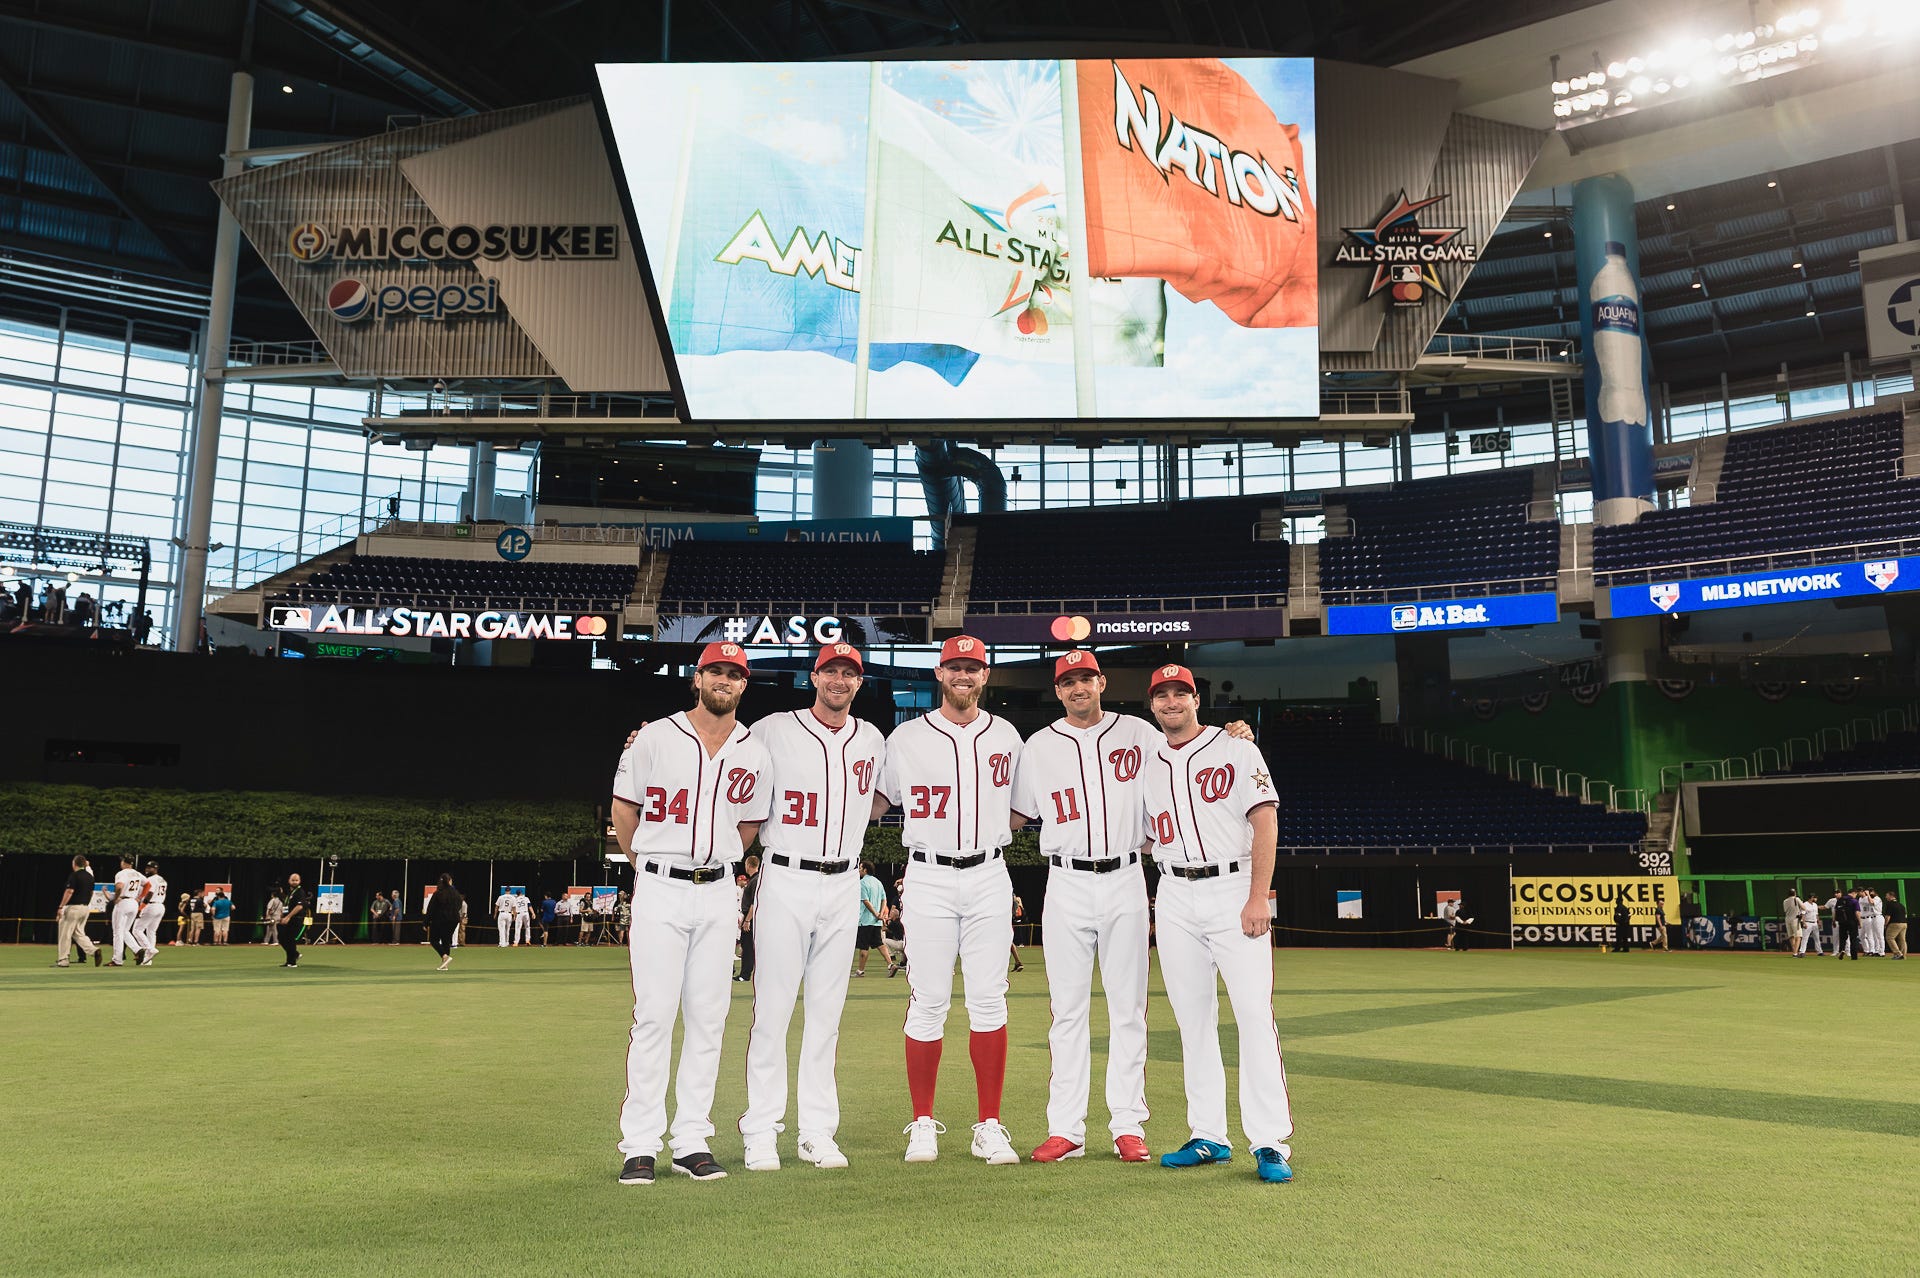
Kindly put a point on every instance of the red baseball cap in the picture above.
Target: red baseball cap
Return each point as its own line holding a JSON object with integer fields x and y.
{"x": 1074, "y": 662}
{"x": 723, "y": 654}
{"x": 839, "y": 652}
{"x": 1170, "y": 674}
{"x": 963, "y": 648}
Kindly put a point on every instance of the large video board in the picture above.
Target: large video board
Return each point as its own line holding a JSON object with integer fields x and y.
{"x": 1125, "y": 238}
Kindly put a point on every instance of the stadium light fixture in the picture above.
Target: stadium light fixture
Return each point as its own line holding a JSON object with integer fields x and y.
{"x": 1791, "y": 38}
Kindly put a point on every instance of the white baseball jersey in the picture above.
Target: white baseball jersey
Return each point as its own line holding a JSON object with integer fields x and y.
{"x": 821, "y": 784}
{"x": 1083, "y": 785}
{"x": 126, "y": 888}
{"x": 1199, "y": 795}
{"x": 691, "y": 805}
{"x": 156, "y": 891}
{"x": 955, "y": 783}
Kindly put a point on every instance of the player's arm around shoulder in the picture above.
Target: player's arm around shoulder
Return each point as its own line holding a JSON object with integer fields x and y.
{"x": 1263, "y": 814}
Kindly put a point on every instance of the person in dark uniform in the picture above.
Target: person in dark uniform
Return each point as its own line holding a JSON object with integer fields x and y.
{"x": 443, "y": 916}
{"x": 1622, "y": 926}
{"x": 749, "y": 897}
{"x": 294, "y": 922}
{"x": 1846, "y": 925}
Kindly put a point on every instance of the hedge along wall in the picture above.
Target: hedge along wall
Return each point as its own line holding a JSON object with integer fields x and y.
{"x": 70, "y": 820}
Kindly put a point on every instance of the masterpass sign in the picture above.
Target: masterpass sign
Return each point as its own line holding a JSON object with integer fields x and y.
{"x": 1538, "y": 609}
{"x": 1786, "y": 585}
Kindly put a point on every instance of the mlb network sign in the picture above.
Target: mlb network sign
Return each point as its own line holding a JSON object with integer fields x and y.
{"x": 1444, "y": 614}
{"x": 1829, "y": 581}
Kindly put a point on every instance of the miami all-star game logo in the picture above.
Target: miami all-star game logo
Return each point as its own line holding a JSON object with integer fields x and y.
{"x": 1403, "y": 253}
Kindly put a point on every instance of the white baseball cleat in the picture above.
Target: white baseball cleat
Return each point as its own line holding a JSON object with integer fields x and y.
{"x": 822, "y": 1153}
{"x": 763, "y": 1153}
{"x": 923, "y": 1144}
{"x": 992, "y": 1142}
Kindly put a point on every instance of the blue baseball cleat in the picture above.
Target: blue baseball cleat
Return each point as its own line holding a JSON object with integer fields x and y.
{"x": 1271, "y": 1166}
{"x": 1197, "y": 1153}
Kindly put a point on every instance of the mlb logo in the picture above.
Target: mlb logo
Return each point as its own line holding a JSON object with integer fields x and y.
{"x": 286, "y": 617}
{"x": 1664, "y": 595}
{"x": 1406, "y": 617}
{"x": 1883, "y": 573}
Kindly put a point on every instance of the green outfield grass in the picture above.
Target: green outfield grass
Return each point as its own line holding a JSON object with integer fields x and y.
{"x": 1541, "y": 1112}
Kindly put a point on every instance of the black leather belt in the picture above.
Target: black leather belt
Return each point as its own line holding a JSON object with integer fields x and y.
{"x": 958, "y": 862}
{"x": 1201, "y": 871}
{"x": 691, "y": 873}
{"x": 1098, "y": 867}
{"x": 818, "y": 867}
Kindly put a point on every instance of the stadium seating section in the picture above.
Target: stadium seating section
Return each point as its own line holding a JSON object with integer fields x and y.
{"x": 1463, "y": 528}
{"x": 1788, "y": 491}
{"x": 377, "y": 580}
{"x": 803, "y": 572}
{"x": 1899, "y": 752}
{"x": 1347, "y": 787}
{"x": 1131, "y": 558}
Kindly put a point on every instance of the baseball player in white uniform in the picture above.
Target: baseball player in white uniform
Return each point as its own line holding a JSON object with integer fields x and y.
{"x": 522, "y": 919}
{"x": 152, "y": 895}
{"x": 823, "y": 789}
{"x": 952, "y": 771}
{"x": 126, "y": 908}
{"x": 503, "y": 916}
{"x": 1210, "y": 808}
{"x": 687, "y": 799}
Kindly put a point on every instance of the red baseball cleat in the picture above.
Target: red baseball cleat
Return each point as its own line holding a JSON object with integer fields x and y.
{"x": 1130, "y": 1148}
{"x": 1057, "y": 1148}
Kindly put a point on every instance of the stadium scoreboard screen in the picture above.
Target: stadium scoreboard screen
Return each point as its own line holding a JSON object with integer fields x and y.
{"x": 978, "y": 240}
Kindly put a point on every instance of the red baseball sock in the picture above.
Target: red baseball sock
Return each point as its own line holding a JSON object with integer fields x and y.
{"x": 923, "y": 1072}
{"x": 989, "y": 1051}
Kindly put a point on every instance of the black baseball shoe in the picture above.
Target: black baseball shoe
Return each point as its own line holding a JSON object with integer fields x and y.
{"x": 637, "y": 1170}
{"x": 96, "y": 956}
{"x": 700, "y": 1166}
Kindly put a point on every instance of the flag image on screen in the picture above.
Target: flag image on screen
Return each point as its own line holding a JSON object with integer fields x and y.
{"x": 971, "y": 249}
{"x": 1192, "y": 178}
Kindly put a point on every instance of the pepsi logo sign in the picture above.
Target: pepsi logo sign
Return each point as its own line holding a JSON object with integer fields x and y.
{"x": 350, "y": 300}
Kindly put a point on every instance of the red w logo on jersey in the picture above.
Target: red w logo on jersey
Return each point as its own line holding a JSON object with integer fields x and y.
{"x": 1002, "y": 768}
{"x": 1126, "y": 763}
{"x": 740, "y": 784}
{"x": 863, "y": 773}
{"x": 1214, "y": 784}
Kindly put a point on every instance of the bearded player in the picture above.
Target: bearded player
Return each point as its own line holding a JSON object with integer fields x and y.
{"x": 952, "y": 771}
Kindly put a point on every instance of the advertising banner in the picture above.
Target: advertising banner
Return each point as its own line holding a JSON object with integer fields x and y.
{"x": 795, "y": 631}
{"x": 1124, "y": 627}
{"x": 330, "y": 898}
{"x": 604, "y": 899}
{"x": 1556, "y": 910}
{"x": 437, "y": 623}
{"x": 1443, "y": 614}
{"x": 1732, "y": 932}
{"x": 979, "y": 239}
{"x": 101, "y": 898}
{"x": 1783, "y": 585}
{"x": 1346, "y": 904}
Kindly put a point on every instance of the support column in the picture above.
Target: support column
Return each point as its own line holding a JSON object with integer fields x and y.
{"x": 486, "y": 467}
{"x": 192, "y": 594}
{"x": 1423, "y": 669}
{"x": 1607, "y": 269}
{"x": 842, "y": 479}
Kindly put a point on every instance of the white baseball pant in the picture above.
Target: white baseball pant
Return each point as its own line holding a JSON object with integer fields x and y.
{"x": 1876, "y": 936}
{"x": 146, "y": 927}
{"x": 680, "y": 953}
{"x": 124, "y": 915}
{"x": 1086, "y": 915}
{"x": 803, "y": 930}
{"x": 520, "y": 927}
{"x": 505, "y": 920}
{"x": 1200, "y": 934}
{"x": 1810, "y": 938}
{"x": 964, "y": 914}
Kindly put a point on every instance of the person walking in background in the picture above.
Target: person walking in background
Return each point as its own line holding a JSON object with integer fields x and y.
{"x": 299, "y": 909}
{"x": 275, "y": 911}
{"x": 873, "y": 913}
{"x": 1896, "y": 927}
{"x": 1846, "y": 925}
{"x": 444, "y": 911}
{"x": 399, "y": 912}
{"x": 196, "y": 918}
{"x": 126, "y": 908}
{"x": 71, "y": 916}
{"x": 1790, "y": 917}
{"x": 222, "y": 908}
{"x": 503, "y": 916}
{"x": 1873, "y": 921}
{"x": 1622, "y": 925}
{"x": 749, "y": 897}
{"x": 1809, "y": 925}
{"x": 153, "y": 909}
{"x": 180, "y": 920}
{"x": 377, "y": 917}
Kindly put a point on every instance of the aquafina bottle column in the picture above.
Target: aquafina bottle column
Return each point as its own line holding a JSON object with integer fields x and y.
{"x": 1618, "y": 343}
